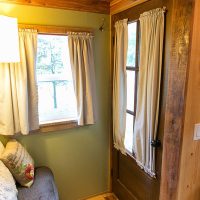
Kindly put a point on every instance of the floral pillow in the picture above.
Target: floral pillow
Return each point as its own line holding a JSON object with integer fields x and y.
{"x": 19, "y": 162}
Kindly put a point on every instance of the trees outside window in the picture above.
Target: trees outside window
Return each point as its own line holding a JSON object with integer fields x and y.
{"x": 54, "y": 77}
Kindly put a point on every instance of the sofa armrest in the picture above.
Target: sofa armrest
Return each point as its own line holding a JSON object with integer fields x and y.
{"x": 43, "y": 188}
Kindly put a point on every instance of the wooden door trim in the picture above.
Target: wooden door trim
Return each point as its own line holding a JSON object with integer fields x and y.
{"x": 182, "y": 15}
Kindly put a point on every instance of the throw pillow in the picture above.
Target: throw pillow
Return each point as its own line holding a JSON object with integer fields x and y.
{"x": 1, "y": 148}
{"x": 8, "y": 188}
{"x": 19, "y": 162}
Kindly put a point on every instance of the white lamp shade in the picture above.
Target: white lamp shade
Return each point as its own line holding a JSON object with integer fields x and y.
{"x": 9, "y": 40}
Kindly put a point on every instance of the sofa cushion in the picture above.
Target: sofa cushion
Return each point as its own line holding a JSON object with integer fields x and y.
{"x": 8, "y": 188}
{"x": 43, "y": 187}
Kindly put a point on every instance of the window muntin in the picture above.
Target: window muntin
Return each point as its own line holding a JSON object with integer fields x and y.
{"x": 57, "y": 100}
{"x": 132, "y": 70}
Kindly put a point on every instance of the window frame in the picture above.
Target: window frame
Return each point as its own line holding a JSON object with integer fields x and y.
{"x": 55, "y": 122}
{"x": 136, "y": 70}
{"x": 56, "y": 125}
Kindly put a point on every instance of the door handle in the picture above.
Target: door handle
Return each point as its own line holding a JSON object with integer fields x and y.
{"x": 155, "y": 143}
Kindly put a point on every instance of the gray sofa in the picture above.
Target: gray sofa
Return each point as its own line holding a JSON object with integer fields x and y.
{"x": 43, "y": 187}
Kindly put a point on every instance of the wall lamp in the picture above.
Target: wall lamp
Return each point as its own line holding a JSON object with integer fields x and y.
{"x": 9, "y": 40}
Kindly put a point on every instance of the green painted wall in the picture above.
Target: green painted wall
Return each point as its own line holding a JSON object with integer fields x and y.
{"x": 78, "y": 157}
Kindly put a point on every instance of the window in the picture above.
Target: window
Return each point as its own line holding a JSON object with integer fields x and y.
{"x": 132, "y": 70}
{"x": 57, "y": 100}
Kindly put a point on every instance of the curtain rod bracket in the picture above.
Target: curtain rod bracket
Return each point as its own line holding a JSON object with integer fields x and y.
{"x": 101, "y": 28}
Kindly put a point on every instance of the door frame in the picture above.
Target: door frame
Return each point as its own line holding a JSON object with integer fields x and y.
{"x": 181, "y": 12}
{"x": 182, "y": 21}
{"x": 133, "y": 14}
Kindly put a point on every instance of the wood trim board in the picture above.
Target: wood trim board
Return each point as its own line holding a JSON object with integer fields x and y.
{"x": 182, "y": 15}
{"x": 56, "y": 30}
{"x": 189, "y": 177}
{"x": 57, "y": 126}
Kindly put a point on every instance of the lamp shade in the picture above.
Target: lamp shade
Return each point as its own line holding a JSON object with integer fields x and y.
{"x": 9, "y": 40}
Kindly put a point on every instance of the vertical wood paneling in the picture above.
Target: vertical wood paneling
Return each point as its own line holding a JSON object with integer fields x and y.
{"x": 189, "y": 181}
{"x": 176, "y": 98}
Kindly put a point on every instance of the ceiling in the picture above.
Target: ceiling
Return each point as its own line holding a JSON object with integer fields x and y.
{"x": 98, "y": 6}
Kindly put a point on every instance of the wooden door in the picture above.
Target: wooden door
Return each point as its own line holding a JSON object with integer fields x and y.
{"x": 129, "y": 181}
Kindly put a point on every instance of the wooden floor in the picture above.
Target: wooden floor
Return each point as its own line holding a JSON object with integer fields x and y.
{"x": 108, "y": 196}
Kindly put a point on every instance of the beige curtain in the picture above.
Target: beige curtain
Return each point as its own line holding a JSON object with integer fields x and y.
{"x": 18, "y": 90}
{"x": 119, "y": 84}
{"x": 146, "y": 122}
{"x": 82, "y": 63}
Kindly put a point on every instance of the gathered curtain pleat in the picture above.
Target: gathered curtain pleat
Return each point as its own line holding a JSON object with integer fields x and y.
{"x": 119, "y": 84}
{"x": 148, "y": 96}
{"x": 18, "y": 89}
{"x": 82, "y": 64}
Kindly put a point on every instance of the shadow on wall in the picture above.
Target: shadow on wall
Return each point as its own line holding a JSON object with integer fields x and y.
{"x": 4, "y": 139}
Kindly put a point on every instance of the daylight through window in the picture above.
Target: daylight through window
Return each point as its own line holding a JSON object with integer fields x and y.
{"x": 57, "y": 100}
{"x": 132, "y": 74}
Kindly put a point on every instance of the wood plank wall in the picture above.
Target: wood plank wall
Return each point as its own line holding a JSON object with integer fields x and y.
{"x": 189, "y": 181}
{"x": 182, "y": 17}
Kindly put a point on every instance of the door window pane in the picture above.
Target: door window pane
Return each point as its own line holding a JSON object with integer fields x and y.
{"x": 132, "y": 38}
{"x": 130, "y": 89}
{"x": 129, "y": 132}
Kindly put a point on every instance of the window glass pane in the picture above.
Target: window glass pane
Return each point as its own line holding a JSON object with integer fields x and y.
{"x": 54, "y": 77}
{"x": 132, "y": 33}
{"x": 129, "y": 132}
{"x": 130, "y": 89}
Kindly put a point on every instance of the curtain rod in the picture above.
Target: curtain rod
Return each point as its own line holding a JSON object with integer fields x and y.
{"x": 56, "y": 30}
{"x": 164, "y": 8}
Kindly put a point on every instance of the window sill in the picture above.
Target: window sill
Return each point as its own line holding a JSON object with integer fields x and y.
{"x": 57, "y": 126}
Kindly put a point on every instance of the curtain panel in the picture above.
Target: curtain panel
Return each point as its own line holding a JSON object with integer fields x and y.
{"x": 82, "y": 64}
{"x": 119, "y": 84}
{"x": 148, "y": 96}
{"x": 18, "y": 89}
